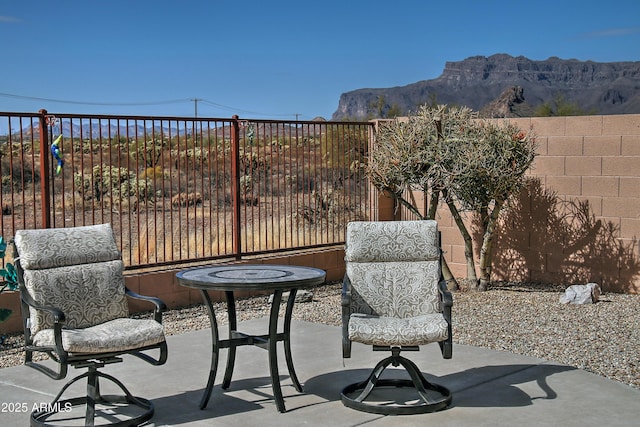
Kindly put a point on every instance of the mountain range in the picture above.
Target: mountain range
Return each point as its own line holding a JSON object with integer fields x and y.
{"x": 478, "y": 81}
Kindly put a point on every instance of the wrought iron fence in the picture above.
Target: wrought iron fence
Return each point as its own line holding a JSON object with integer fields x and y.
{"x": 179, "y": 190}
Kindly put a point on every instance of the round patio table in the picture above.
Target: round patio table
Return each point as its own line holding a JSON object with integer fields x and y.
{"x": 251, "y": 277}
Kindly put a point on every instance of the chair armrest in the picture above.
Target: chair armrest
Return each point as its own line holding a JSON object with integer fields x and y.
{"x": 160, "y": 306}
{"x": 446, "y": 347}
{"x": 446, "y": 300}
{"x": 445, "y": 295}
{"x": 346, "y": 313}
{"x": 26, "y": 298}
{"x": 58, "y": 315}
{"x": 57, "y": 352}
{"x": 346, "y": 292}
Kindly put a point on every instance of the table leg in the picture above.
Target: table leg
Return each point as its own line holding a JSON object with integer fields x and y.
{"x": 287, "y": 339}
{"x": 233, "y": 327}
{"x": 273, "y": 356}
{"x": 214, "y": 349}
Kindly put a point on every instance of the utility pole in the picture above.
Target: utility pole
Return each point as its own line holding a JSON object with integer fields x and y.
{"x": 195, "y": 105}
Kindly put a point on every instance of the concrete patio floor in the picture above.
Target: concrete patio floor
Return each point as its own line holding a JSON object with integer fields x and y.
{"x": 489, "y": 387}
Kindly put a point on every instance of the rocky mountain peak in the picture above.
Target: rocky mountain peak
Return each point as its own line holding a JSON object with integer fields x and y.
{"x": 605, "y": 88}
{"x": 505, "y": 104}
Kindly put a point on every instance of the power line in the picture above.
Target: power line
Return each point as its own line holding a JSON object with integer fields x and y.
{"x": 239, "y": 110}
{"x": 143, "y": 103}
{"x": 66, "y": 101}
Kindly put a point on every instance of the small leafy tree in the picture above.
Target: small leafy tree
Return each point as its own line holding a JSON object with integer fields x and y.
{"x": 380, "y": 109}
{"x": 471, "y": 164}
{"x": 561, "y": 107}
{"x": 490, "y": 171}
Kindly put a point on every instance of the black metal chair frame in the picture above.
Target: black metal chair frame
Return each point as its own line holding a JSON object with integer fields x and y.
{"x": 433, "y": 397}
{"x": 91, "y": 361}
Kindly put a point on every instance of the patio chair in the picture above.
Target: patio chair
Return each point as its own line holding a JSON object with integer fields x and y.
{"x": 75, "y": 310}
{"x": 394, "y": 298}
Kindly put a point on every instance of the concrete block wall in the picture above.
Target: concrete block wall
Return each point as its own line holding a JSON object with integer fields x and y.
{"x": 594, "y": 160}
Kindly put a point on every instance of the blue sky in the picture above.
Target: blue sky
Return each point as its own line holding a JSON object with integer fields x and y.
{"x": 275, "y": 59}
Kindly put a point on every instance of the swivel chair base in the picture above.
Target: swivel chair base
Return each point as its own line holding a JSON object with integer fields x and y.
{"x": 430, "y": 397}
{"x": 119, "y": 410}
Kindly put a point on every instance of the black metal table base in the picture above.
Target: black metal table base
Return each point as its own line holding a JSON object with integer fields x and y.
{"x": 236, "y": 339}
{"x": 430, "y": 397}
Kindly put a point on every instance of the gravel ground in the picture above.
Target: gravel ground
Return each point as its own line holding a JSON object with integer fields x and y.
{"x": 603, "y": 338}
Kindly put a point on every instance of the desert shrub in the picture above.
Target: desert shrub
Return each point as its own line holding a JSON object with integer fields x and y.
{"x": 89, "y": 146}
{"x": 252, "y": 164}
{"x": 118, "y": 183}
{"x": 330, "y": 208}
{"x": 247, "y": 190}
{"x": 14, "y": 149}
{"x": 304, "y": 182}
{"x": 140, "y": 188}
{"x": 16, "y": 175}
{"x": 192, "y": 157}
{"x": 147, "y": 153}
{"x": 153, "y": 173}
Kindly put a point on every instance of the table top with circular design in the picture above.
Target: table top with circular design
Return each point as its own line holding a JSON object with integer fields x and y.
{"x": 250, "y": 277}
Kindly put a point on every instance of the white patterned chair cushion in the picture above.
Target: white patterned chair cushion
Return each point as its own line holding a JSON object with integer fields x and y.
{"x": 393, "y": 331}
{"x": 395, "y": 289}
{"x": 77, "y": 270}
{"x": 394, "y": 270}
{"x": 57, "y": 247}
{"x": 392, "y": 241}
{"x": 115, "y": 335}
{"x": 87, "y": 294}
